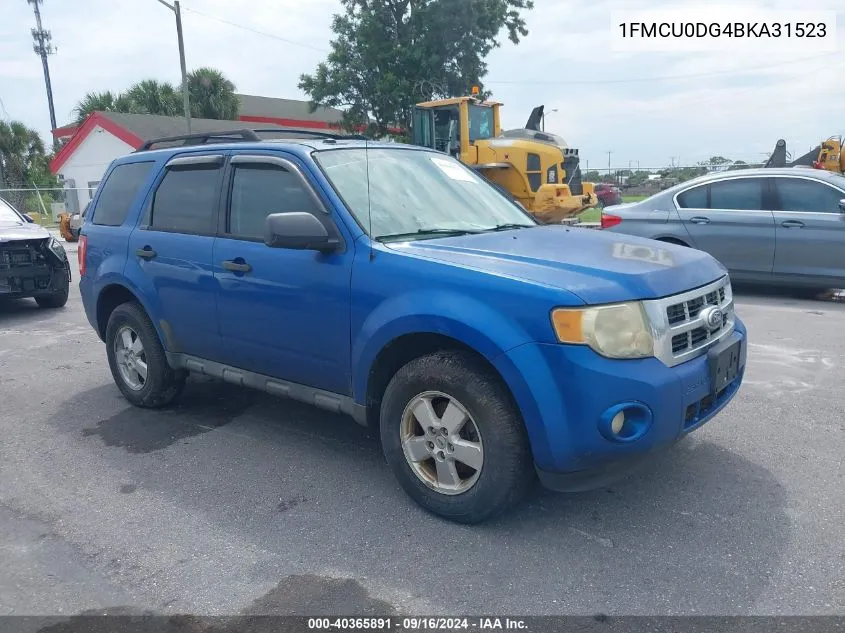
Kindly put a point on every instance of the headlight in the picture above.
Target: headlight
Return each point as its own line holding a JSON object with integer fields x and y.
{"x": 615, "y": 331}
{"x": 57, "y": 248}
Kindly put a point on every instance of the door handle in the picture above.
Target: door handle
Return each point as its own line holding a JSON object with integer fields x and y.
{"x": 145, "y": 253}
{"x": 238, "y": 267}
{"x": 699, "y": 219}
{"x": 792, "y": 224}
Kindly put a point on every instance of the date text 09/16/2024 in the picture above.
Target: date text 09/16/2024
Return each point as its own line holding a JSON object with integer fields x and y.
{"x": 416, "y": 624}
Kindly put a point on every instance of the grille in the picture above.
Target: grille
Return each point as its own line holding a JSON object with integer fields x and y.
{"x": 680, "y": 312}
{"x": 687, "y": 313}
{"x": 15, "y": 257}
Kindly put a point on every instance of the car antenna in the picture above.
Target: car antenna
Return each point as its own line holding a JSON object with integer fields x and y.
{"x": 369, "y": 199}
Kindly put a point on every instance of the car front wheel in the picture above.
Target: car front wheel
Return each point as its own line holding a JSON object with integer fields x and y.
{"x": 454, "y": 439}
{"x": 53, "y": 300}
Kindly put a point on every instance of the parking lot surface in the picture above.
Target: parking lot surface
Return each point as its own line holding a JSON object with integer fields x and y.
{"x": 237, "y": 502}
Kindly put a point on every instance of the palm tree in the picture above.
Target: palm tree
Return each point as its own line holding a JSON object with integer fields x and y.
{"x": 96, "y": 101}
{"x": 212, "y": 95}
{"x": 151, "y": 97}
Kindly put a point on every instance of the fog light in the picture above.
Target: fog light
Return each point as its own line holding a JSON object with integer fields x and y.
{"x": 625, "y": 422}
{"x": 617, "y": 423}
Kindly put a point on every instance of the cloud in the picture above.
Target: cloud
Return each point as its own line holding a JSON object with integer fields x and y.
{"x": 717, "y": 102}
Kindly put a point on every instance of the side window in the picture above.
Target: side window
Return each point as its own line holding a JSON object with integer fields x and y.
{"x": 742, "y": 194}
{"x": 119, "y": 191}
{"x": 533, "y": 169}
{"x": 259, "y": 190}
{"x": 799, "y": 194}
{"x": 695, "y": 198}
{"x": 186, "y": 199}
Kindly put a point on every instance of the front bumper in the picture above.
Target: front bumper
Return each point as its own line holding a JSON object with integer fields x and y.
{"x": 565, "y": 391}
{"x": 34, "y": 281}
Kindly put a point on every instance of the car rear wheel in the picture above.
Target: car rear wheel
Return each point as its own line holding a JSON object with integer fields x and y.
{"x": 137, "y": 360}
{"x": 454, "y": 439}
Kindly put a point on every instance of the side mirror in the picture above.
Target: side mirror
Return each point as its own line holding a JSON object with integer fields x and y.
{"x": 297, "y": 230}
{"x": 842, "y": 205}
{"x": 29, "y": 219}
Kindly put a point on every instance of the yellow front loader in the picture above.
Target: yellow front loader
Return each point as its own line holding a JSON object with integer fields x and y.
{"x": 536, "y": 168}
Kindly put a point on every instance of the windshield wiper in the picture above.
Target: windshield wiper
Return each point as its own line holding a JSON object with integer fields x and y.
{"x": 509, "y": 226}
{"x": 420, "y": 232}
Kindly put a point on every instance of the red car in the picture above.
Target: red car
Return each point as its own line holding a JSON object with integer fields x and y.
{"x": 608, "y": 194}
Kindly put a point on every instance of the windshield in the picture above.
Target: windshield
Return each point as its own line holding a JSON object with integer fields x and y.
{"x": 8, "y": 216}
{"x": 413, "y": 191}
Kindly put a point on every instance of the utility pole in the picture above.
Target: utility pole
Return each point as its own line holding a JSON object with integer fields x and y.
{"x": 608, "y": 162}
{"x": 43, "y": 46}
{"x": 185, "y": 100}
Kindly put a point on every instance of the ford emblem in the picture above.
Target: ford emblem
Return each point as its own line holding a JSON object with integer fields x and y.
{"x": 712, "y": 317}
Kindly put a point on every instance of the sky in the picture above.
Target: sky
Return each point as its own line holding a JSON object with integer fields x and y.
{"x": 650, "y": 109}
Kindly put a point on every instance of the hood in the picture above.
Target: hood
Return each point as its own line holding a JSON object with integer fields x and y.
{"x": 597, "y": 266}
{"x": 22, "y": 231}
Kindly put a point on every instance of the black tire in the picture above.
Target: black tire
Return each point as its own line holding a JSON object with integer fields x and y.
{"x": 672, "y": 240}
{"x": 809, "y": 293}
{"x": 507, "y": 470}
{"x": 163, "y": 384}
{"x": 53, "y": 300}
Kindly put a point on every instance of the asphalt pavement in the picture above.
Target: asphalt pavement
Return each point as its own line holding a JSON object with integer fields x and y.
{"x": 237, "y": 502}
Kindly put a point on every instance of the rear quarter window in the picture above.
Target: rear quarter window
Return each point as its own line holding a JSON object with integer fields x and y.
{"x": 119, "y": 192}
{"x": 695, "y": 198}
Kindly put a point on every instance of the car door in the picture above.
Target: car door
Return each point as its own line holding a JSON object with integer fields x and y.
{"x": 810, "y": 228}
{"x": 171, "y": 250}
{"x": 282, "y": 312}
{"x": 732, "y": 220}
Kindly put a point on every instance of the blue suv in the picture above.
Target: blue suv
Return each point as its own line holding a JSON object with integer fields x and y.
{"x": 395, "y": 285}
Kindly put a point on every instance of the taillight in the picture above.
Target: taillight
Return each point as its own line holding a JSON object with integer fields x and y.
{"x": 81, "y": 252}
{"x": 608, "y": 220}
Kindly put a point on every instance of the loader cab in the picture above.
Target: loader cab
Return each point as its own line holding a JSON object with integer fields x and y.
{"x": 831, "y": 155}
{"x": 452, "y": 126}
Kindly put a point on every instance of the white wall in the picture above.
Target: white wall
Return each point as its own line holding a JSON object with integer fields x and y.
{"x": 89, "y": 161}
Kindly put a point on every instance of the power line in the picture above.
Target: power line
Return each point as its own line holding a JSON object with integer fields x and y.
{"x": 252, "y": 30}
{"x": 663, "y": 78}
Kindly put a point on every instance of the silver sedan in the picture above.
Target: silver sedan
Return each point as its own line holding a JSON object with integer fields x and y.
{"x": 783, "y": 226}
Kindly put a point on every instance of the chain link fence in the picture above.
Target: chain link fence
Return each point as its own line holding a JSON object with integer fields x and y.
{"x": 44, "y": 204}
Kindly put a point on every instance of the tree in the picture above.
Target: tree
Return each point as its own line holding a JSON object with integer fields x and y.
{"x": 212, "y": 95}
{"x": 100, "y": 101}
{"x": 638, "y": 178}
{"x": 151, "y": 97}
{"x": 23, "y": 161}
{"x": 389, "y": 54}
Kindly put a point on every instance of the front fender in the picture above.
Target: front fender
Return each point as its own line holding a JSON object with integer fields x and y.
{"x": 448, "y": 313}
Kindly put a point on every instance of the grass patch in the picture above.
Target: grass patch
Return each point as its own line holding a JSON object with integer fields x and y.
{"x": 590, "y": 215}
{"x": 633, "y": 198}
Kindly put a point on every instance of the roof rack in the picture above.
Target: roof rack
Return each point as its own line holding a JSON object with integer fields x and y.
{"x": 245, "y": 134}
